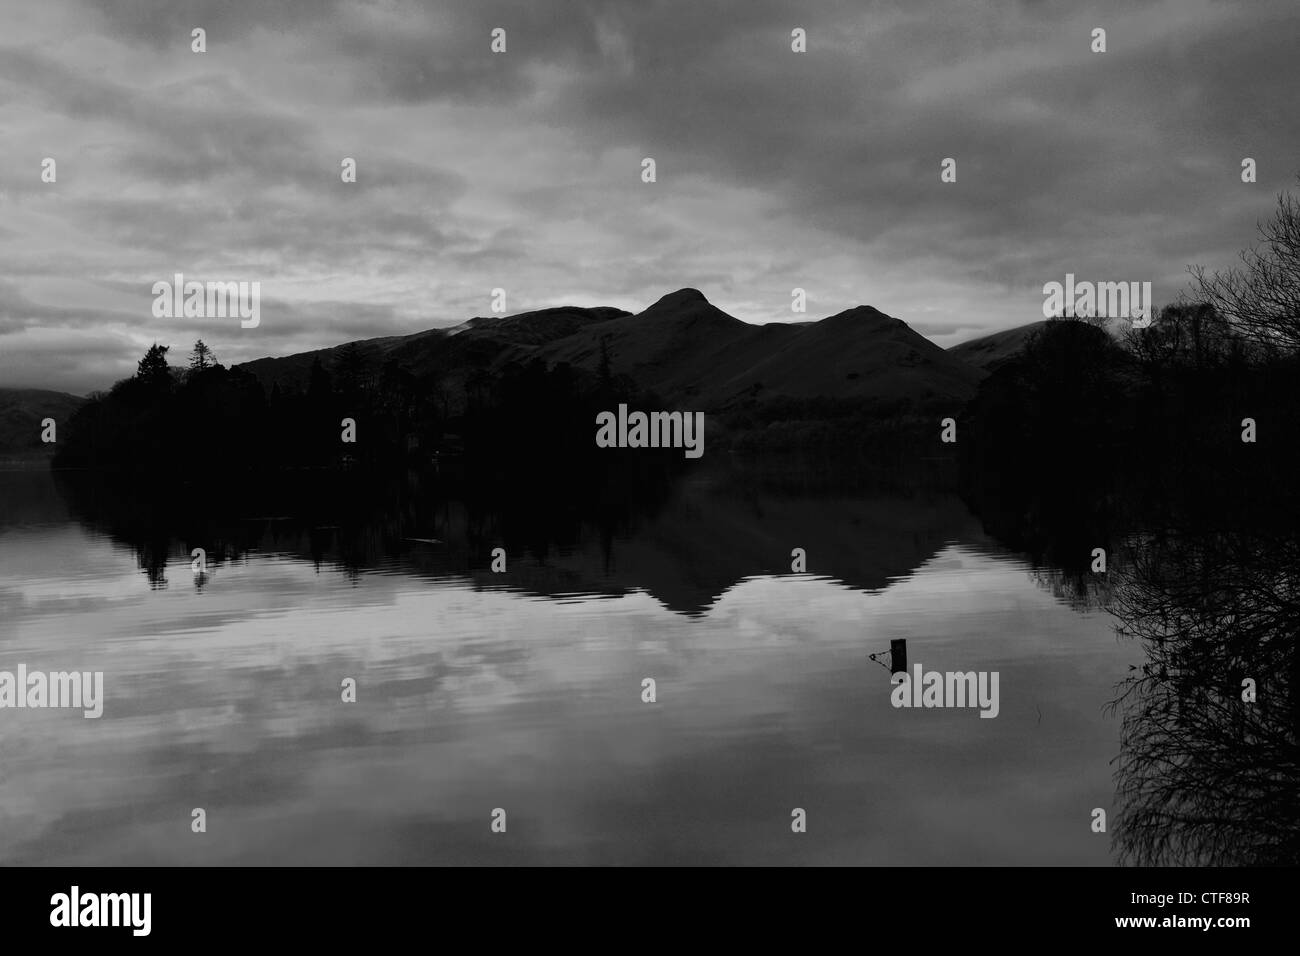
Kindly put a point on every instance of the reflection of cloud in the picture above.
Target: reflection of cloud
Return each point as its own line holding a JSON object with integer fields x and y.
{"x": 469, "y": 699}
{"x": 776, "y": 170}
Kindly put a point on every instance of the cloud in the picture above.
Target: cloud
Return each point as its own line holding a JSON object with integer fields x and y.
{"x": 522, "y": 170}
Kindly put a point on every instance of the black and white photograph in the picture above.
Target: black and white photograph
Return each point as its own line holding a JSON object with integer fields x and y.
{"x": 630, "y": 434}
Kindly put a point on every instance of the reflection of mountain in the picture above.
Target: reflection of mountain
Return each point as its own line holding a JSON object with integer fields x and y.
{"x": 704, "y": 540}
{"x": 30, "y": 498}
{"x": 686, "y": 545}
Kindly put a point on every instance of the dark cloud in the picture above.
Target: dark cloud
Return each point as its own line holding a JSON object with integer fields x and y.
{"x": 164, "y": 23}
{"x": 522, "y": 170}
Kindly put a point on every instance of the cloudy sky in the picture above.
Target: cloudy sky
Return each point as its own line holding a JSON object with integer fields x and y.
{"x": 522, "y": 170}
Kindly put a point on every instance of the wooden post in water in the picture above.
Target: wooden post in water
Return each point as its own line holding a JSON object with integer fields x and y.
{"x": 897, "y": 657}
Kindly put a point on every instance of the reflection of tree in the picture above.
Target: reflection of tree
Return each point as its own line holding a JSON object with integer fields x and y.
{"x": 1203, "y": 777}
{"x": 1082, "y": 591}
{"x": 151, "y": 556}
{"x": 360, "y": 521}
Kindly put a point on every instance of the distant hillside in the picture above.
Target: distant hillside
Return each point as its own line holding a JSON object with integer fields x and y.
{"x": 21, "y": 413}
{"x": 450, "y": 354}
{"x": 988, "y": 352}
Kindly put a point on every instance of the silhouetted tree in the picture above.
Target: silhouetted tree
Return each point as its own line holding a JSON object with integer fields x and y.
{"x": 202, "y": 357}
{"x": 1186, "y": 336}
{"x": 320, "y": 385}
{"x": 1261, "y": 299}
{"x": 604, "y": 375}
{"x": 350, "y": 371}
{"x": 152, "y": 370}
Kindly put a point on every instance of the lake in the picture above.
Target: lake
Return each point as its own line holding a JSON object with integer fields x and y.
{"x": 522, "y": 690}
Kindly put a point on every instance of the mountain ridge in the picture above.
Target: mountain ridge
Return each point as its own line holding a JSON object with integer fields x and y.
{"x": 990, "y": 352}
{"x": 681, "y": 347}
{"x": 687, "y": 349}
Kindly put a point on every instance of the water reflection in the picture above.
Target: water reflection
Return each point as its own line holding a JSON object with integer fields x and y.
{"x": 685, "y": 545}
{"x": 1204, "y": 776}
{"x": 523, "y": 690}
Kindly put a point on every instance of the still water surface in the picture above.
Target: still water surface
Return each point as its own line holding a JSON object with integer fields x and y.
{"x": 523, "y": 690}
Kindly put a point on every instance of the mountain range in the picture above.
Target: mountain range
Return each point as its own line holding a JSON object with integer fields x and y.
{"x": 683, "y": 348}
{"x": 690, "y": 353}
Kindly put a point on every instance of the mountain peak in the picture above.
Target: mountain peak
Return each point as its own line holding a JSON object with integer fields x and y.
{"x": 688, "y": 307}
{"x": 681, "y": 298}
{"x": 858, "y": 313}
